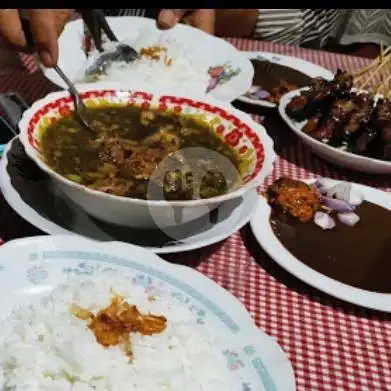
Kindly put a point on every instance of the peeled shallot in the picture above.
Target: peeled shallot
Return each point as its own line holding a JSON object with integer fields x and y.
{"x": 324, "y": 220}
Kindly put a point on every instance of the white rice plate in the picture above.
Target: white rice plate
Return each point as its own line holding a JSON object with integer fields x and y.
{"x": 44, "y": 347}
{"x": 183, "y": 72}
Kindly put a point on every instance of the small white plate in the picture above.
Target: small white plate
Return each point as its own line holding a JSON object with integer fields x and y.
{"x": 33, "y": 267}
{"x": 31, "y": 194}
{"x": 333, "y": 155}
{"x": 269, "y": 242}
{"x": 205, "y": 50}
{"x": 305, "y": 67}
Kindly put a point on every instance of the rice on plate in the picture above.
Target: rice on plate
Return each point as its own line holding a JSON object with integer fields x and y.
{"x": 163, "y": 60}
{"x": 46, "y": 346}
{"x": 198, "y": 58}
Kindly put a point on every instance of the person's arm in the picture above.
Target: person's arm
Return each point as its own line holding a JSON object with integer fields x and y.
{"x": 235, "y": 22}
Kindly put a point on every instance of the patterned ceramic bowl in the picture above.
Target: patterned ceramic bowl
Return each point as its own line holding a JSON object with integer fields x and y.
{"x": 237, "y": 129}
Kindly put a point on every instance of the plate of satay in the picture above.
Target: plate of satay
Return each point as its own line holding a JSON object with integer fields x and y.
{"x": 346, "y": 120}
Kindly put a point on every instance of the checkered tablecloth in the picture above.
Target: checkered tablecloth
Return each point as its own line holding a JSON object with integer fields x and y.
{"x": 332, "y": 345}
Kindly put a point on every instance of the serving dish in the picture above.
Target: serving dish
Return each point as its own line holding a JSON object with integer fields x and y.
{"x": 329, "y": 153}
{"x": 41, "y": 264}
{"x": 245, "y": 136}
{"x": 32, "y": 195}
{"x": 214, "y": 57}
{"x": 288, "y": 62}
{"x": 265, "y": 236}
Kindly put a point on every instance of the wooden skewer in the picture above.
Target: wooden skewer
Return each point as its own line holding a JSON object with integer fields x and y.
{"x": 386, "y": 86}
{"x": 379, "y": 68}
{"x": 384, "y": 56}
{"x": 374, "y": 74}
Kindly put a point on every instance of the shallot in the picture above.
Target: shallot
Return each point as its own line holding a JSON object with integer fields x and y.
{"x": 348, "y": 218}
{"x": 337, "y": 205}
{"x": 262, "y": 94}
{"x": 341, "y": 191}
{"x": 323, "y": 185}
{"x": 259, "y": 92}
{"x": 356, "y": 198}
{"x": 323, "y": 220}
{"x": 340, "y": 199}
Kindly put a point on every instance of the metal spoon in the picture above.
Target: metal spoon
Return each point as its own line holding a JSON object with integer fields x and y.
{"x": 122, "y": 53}
{"x": 77, "y": 99}
{"x": 95, "y": 21}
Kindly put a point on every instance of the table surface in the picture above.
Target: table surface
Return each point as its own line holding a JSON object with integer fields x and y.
{"x": 332, "y": 345}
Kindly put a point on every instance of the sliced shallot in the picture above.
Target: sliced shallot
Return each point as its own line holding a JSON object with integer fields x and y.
{"x": 356, "y": 198}
{"x": 341, "y": 191}
{"x": 349, "y": 218}
{"x": 254, "y": 89}
{"x": 323, "y": 220}
{"x": 337, "y": 205}
{"x": 323, "y": 185}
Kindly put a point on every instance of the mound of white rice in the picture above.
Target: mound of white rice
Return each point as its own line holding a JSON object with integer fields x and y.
{"x": 183, "y": 71}
{"x": 44, "y": 347}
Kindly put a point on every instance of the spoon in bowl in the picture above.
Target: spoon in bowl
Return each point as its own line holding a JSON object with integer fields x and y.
{"x": 77, "y": 99}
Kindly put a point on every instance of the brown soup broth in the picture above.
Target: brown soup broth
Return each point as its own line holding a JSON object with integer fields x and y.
{"x": 359, "y": 256}
{"x": 130, "y": 143}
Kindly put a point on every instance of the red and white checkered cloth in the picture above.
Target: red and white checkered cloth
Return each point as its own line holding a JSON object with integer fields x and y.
{"x": 332, "y": 345}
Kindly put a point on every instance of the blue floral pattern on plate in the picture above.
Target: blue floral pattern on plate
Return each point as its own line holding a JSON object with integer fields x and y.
{"x": 86, "y": 269}
{"x": 36, "y": 274}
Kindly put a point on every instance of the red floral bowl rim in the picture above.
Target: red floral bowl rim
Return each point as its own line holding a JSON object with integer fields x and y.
{"x": 258, "y": 132}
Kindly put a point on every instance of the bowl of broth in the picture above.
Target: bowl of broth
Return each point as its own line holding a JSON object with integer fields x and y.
{"x": 154, "y": 158}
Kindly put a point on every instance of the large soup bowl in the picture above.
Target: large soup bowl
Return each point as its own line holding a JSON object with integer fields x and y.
{"x": 235, "y": 128}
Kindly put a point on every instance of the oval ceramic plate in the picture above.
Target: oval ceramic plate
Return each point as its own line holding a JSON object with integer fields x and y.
{"x": 269, "y": 242}
{"x": 31, "y": 194}
{"x": 213, "y": 55}
{"x": 305, "y": 67}
{"x": 33, "y": 267}
{"x": 333, "y": 155}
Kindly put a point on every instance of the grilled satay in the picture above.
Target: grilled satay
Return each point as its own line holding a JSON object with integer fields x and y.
{"x": 382, "y": 123}
{"x": 320, "y": 96}
{"x": 298, "y": 108}
{"x": 354, "y": 119}
{"x": 331, "y": 125}
{"x": 312, "y": 124}
{"x": 347, "y": 118}
{"x": 361, "y": 116}
{"x": 342, "y": 83}
{"x": 365, "y": 140}
{"x": 358, "y": 127}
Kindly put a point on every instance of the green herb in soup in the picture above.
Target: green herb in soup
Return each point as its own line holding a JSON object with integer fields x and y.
{"x": 142, "y": 154}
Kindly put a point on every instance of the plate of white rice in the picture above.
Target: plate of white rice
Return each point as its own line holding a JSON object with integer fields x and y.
{"x": 209, "y": 342}
{"x": 192, "y": 59}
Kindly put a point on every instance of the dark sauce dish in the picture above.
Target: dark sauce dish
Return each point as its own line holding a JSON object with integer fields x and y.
{"x": 271, "y": 81}
{"x": 275, "y": 75}
{"x": 351, "y": 263}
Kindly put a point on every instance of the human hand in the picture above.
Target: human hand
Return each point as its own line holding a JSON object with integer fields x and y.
{"x": 46, "y": 26}
{"x": 203, "y": 19}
